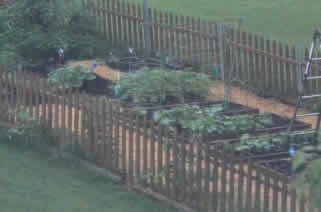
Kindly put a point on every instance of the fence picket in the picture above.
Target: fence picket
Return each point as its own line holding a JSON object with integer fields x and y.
{"x": 117, "y": 133}
{"x": 206, "y": 176}
{"x": 266, "y": 200}
{"x": 124, "y": 20}
{"x": 70, "y": 115}
{"x": 215, "y": 178}
{"x": 95, "y": 127}
{"x": 110, "y": 31}
{"x": 241, "y": 185}
{"x": 83, "y": 109}
{"x": 130, "y": 150}
{"x": 281, "y": 75}
{"x": 114, "y": 21}
{"x": 77, "y": 121}
{"x": 145, "y": 148}
{"x": 140, "y": 30}
{"x": 269, "y": 65}
{"x": 161, "y": 32}
{"x": 124, "y": 146}
{"x": 251, "y": 63}
{"x": 177, "y": 42}
{"x": 152, "y": 154}
{"x": 110, "y": 135}
{"x": 275, "y": 69}
{"x": 231, "y": 184}
{"x": 293, "y": 201}
{"x": 263, "y": 75}
{"x": 258, "y": 185}
{"x": 156, "y": 32}
{"x": 57, "y": 126}
{"x": 50, "y": 103}
{"x": 287, "y": 74}
{"x": 245, "y": 58}
{"x": 183, "y": 167}
{"x": 257, "y": 71}
{"x": 135, "y": 23}
{"x": 188, "y": 36}
{"x": 294, "y": 72}
{"x": 138, "y": 147}
{"x": 161, "y": 145}
{"x": 166, "y": 167}
{"x": 198, "y": 177}
{"x": 119, "y": 21}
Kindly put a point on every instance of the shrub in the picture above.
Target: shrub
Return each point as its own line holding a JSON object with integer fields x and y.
{"x": 71, "y": 76}
{"x": 29, "y": 131}
{"x": 157, "y": 85}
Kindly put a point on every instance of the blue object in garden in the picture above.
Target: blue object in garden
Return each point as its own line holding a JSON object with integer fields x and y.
{"x": 291, "y": 150}
{"x": 94, "y": 65}
{"x": 117, "y": 89}
{"x": 217, "y": 71}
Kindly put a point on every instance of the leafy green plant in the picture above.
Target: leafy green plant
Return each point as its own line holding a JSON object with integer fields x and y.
{"x": 271, "y": 143}
{"x": 158, "y": 86}
{"x": 71, "y": 76}
{"x": 207, "y": 121}
{"x": 28, "y": 130}
{"x": 307, "y": 166}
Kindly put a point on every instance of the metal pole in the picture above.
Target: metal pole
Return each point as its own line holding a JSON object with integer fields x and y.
{"x": 147, "y": 29}
{"x": 221, "y": 49}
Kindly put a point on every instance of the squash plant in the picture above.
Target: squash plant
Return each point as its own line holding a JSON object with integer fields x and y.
{"x": 71, "y": 76}
{"x": 156, "y": 86}
{"x": 271, "y": 143}
{"x": 207, "y": 121}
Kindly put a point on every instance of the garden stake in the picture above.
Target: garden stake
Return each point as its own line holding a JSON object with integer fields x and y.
{"x": 61, "y": 56}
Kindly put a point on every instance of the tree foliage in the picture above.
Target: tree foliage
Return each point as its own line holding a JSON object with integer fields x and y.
{"x": 33, "y": 30}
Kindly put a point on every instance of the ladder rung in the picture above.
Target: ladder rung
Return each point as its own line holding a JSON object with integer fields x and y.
{"x": 311, "y": 96}
{"x": 314, "y": 77}
{"x": 316, "y": 59}
{"x": 308, "y": 114}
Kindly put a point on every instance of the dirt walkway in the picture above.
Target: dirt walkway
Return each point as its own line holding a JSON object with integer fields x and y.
{"x": 101, "y": 69}
{"x": 236, "y": 94}
{"x": 246, "y": 97}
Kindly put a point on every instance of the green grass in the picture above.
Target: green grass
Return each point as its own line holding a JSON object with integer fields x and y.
{"x": 34, "y": 182}
{"x": 286, "y": 20}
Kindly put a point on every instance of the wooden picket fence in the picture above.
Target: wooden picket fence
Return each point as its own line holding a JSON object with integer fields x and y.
{"x": 261, "y": 63}
{"x": 146, "y": 153}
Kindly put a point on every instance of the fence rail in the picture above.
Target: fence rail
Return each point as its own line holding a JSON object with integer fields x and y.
{"x": 141, "y": 150}
{"x": 250, "y": 58}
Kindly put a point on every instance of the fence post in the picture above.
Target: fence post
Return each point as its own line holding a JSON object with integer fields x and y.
{"x": 147, "y": 29}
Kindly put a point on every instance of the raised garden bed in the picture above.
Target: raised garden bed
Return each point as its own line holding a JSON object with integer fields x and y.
{"x": 132, "y": 63}
{"x": 280, "y": 124}
{"x": 272, "y": 154}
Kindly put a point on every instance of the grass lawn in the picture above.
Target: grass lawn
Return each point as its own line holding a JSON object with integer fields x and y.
{"x": 36, "y": 182}
{"x": 286, "y": 20}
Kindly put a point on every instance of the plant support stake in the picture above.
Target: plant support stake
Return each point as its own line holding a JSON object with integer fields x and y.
{"x": 221, "y": 46}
